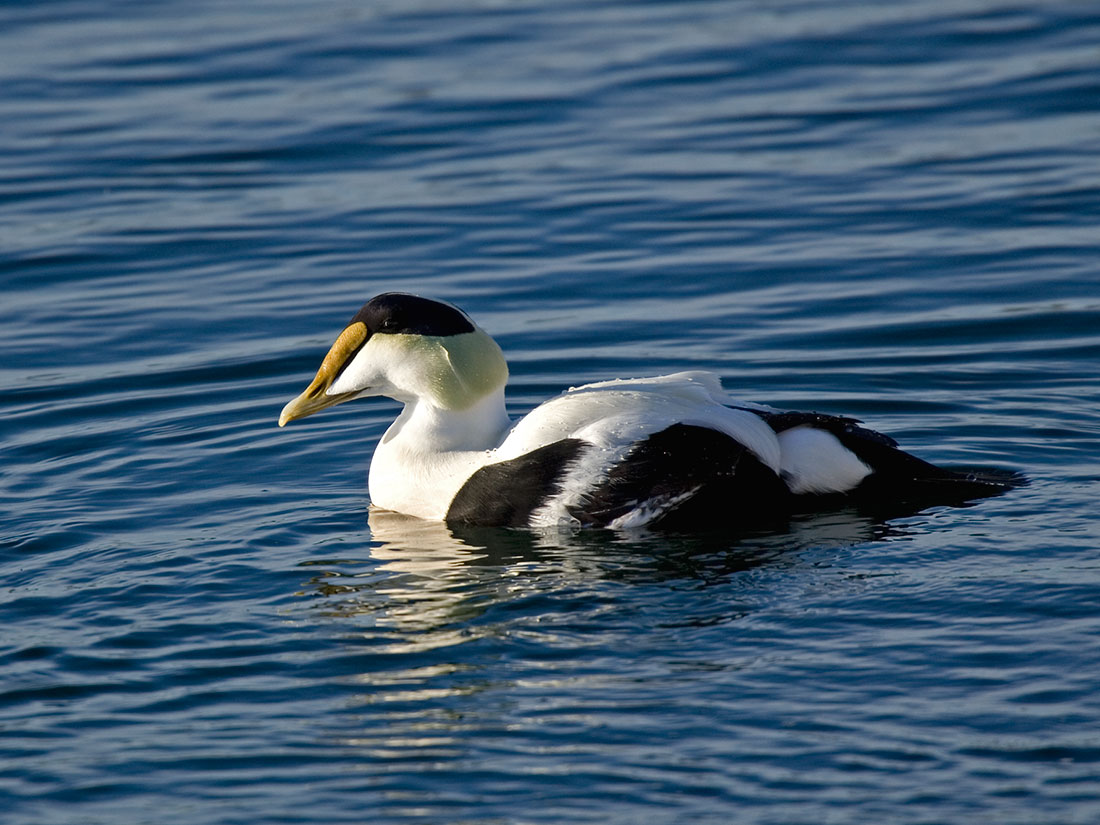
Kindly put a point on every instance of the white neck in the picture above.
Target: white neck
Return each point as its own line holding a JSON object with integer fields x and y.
{"x": 427, "y": 428}
{"x": 429, "y": 452}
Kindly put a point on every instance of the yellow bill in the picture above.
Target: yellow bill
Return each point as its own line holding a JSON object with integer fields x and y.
{"x": 315, "y": 397}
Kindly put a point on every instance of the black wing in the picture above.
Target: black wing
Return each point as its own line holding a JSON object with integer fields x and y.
{"x": 686, "y": 475}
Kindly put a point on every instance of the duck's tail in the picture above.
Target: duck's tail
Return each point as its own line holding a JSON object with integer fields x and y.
{"x": 897, "y": 475}
{"x": 966, "y": 483}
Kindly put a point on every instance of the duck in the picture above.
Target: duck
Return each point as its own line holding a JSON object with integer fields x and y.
{"x": 667, "y": 451}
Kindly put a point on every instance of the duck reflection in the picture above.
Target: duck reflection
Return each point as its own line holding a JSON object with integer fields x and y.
{"x": 425, "y": 576}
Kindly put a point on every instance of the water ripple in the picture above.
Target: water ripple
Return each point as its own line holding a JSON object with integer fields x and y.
{"x": 886, "y": 211}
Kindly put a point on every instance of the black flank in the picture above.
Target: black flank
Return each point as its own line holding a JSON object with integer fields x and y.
{"x": 507, "y": 493}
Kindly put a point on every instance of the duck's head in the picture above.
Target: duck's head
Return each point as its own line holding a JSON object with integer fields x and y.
{"x": 408, "y": 348}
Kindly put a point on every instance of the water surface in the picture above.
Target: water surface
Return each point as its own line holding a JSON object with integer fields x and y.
{"x": 883, "y": 210}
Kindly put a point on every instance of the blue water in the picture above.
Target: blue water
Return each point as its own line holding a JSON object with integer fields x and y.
{"x": 888, "y": 210}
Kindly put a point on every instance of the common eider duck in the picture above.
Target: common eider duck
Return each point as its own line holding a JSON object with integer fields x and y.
{"x": 673, "y": 450}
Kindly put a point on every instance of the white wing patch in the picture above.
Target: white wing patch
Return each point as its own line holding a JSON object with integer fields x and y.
{"x": 814, "y": 461}
{"x": 649, "y": 510}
